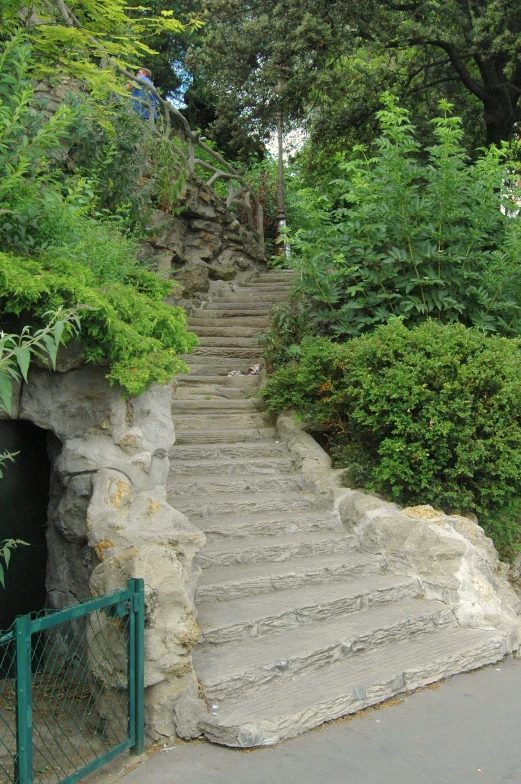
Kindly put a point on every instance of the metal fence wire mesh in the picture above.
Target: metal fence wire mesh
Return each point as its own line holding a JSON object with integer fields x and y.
{"x": 7, "y": 705}
{"x": 81, "y": 681}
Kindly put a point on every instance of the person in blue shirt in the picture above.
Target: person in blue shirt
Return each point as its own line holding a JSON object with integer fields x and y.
{"x": 142, "y": 99}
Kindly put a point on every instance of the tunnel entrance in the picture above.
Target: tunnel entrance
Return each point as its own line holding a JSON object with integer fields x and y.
{"x": 24, "y": 498}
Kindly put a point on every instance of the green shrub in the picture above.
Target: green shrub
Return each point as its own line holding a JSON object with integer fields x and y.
{"x": 56, "y": 251}
{"x": 414, "y": 236}
{"x": 425, "y": 415}
{"x": 288, "y": 323}
{"x": 129, "y": 327}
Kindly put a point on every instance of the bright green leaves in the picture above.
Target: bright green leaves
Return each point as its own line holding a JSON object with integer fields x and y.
{"x": 74, "y": 37}
{"x": 6, "y": 548}
{"x": 415, "y": 239}
{"x": 58, "y": 252}
{"x": 124, "y": 324}
{"x": 16, "y": 351}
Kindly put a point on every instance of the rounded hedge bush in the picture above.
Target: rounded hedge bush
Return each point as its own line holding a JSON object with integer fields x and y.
{"x": 426, "y": 415}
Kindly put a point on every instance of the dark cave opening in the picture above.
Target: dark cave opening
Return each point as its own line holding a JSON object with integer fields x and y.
{"x": 24, "y": 499}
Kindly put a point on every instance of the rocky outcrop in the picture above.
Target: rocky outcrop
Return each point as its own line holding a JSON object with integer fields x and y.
{"x": 204, "y": 243}
{"x": 109, "y": 520}
{"x": 453, "y": 558}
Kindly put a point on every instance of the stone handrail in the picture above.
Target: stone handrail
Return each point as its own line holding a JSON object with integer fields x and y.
{"x": 240, "y": 193}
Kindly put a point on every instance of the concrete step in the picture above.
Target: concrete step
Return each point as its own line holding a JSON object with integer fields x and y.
{"x": 241, "y": 382}
{"x": 210, "y": 484}
{"x": 232, "y": 353}
{"x": 274, "y": 549}
{"x": 224, "y": 436}
{"x": 218, "y": 366}
{"x": 238, "y": 307}
{"x": 270, "y": 524}
{"x": 270, "y": 296}
{"x": 227, "y": 340}
{"x": 245, "y": 504}
{"x": 203, "y": 318}
{"x": 226, "y": 332}
{"x": 214, "y": 421}
{"x": 284, "y": 284}
{"x": 258, "y": 315}
{"x": 218, "y": 407}
{"x": 283, "y": 276}
{"x": 240, "y": 466}
{"x": 256, "y": 616}
{"x": 268, "y": 448}
{"x": 237, "y": 669}
{"x": 226, "y": 583}
{"x": 301, "y": 703}
{"x": 221, "y": 393}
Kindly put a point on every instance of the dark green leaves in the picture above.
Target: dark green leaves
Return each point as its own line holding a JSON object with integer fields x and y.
{"x": 424, "y": 415}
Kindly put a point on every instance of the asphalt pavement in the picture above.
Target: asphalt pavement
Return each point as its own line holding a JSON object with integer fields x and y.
{"x": 466, "y": 730}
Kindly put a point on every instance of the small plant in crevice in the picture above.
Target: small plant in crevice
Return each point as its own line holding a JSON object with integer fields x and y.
{"x": 288, "y": 324}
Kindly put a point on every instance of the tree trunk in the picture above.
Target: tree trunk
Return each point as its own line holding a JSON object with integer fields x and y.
{"x": 500, "y": 115}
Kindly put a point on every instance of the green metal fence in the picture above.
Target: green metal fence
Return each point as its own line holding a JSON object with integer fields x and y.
{"x": 72, "y": 689}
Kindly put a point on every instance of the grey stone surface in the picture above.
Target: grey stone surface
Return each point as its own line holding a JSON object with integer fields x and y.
{"x": 314, "y": 601}
{"x": 204, "y": 244}
{"x": 109, "y": 520}
{"x": 463, "y": 732}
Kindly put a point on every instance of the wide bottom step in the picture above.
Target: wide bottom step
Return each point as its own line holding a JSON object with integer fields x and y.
{"x": 289, "y": 709}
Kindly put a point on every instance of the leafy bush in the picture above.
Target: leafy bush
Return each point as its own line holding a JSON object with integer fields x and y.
{"x": 128, "y": 327}
{"x": 415, "y": 239}
{"x": 288, "y": 324}
{"x": 425, "y": 415}
{"x": 132, "y": 165}
{"x": 56, "y": 252}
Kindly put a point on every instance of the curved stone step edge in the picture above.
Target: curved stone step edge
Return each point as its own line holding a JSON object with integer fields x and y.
{"x": 276, "y": 549}
{"x": 235, "y": 321}
{"x": 238, "y": 669}
{"x": 269, "y": 448}
{"x": 245, "y": 503}
{"x": 226, "y": 583}
{"x": 238, "y": 527}
{"x": 299, "y": 705}
{"x": 236, "y": 332}
{"x": 232, "y": 483}
{"x": 240, "y": 382}
{"x": 223, "y": 436}
{"x": 256, "y": 616}
{"x": 239, "y": 466}
{"x": 219, "y": 407}
{"x": 228, "y": 340}
{"x": 186, "y": 423}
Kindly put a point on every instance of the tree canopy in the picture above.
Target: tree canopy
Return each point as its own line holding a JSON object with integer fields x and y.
{"x": 332, "y": 58}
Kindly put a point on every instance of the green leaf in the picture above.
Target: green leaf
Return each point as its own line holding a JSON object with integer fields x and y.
{"x": 23, "y": 356}
{"x": 6, "y": 391}
{"x": 52, "y": 349}
{"x": 58, "y": 331}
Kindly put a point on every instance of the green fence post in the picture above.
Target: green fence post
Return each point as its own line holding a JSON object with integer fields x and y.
{"x": 24, "y": 707}
{"x": 138, "y": 587}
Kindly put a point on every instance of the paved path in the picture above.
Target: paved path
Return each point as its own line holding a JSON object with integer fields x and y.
{"x": 466, "y": 731}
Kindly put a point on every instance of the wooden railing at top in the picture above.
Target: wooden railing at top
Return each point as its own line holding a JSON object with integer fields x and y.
{"x": 239, "y": 192}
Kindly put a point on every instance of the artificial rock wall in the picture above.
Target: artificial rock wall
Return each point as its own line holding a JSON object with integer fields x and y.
{"x": 202, "y": 246}
{"x": 109, "y": 521}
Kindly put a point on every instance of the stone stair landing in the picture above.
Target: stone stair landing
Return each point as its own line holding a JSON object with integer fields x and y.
{"x": 298, "y": 626}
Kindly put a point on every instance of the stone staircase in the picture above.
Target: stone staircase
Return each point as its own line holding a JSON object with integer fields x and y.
{"x": 298, "y": 626}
